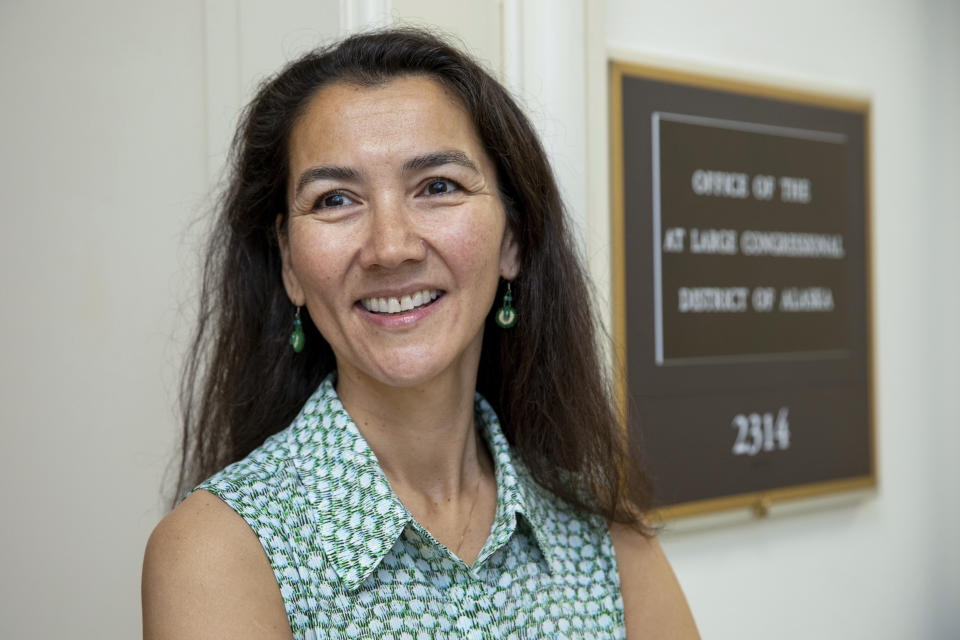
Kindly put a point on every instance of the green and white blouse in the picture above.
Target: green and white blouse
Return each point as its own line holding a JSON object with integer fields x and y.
{"x": 351, "y": 561}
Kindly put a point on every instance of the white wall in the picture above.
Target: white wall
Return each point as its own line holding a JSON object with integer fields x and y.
{"x": 115, "y": 119}
{"x": 102, "y": 165}
{"x": 886, "y": 567}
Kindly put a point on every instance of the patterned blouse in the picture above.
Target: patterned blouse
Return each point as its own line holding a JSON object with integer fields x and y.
{"x": 351, "y": 561}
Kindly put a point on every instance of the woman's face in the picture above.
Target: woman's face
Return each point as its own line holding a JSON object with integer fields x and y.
{"x": 396, "y": 236}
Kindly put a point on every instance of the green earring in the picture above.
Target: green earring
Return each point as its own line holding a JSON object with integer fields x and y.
{"x": 297, "y": 339}
{"x": 506, "y": 314}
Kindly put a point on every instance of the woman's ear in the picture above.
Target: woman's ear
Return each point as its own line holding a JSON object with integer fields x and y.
{"x": 290, "y": 282}
{"x": 509, "y": 256}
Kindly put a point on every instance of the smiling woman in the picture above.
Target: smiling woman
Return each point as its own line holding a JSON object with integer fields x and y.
{"x": 411, "y": 469}
{"x": 395, "y": 198}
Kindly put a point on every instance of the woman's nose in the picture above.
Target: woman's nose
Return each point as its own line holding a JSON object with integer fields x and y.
{"x": 392, "y": 236}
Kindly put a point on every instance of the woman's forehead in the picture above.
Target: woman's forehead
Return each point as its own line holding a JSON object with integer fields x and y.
{"x": 406, "y": 116}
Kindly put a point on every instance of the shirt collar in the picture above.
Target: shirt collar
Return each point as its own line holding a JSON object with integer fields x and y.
{"x": 357, "y": 516}
{"x": 517, "y": 493}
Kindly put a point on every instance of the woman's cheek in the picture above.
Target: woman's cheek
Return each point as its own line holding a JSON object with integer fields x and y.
{"x": 321, "y": 252}
{"x": 478, "y": 244}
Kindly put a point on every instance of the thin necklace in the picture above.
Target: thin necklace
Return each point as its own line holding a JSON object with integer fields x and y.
{"x": 476, "y": 497}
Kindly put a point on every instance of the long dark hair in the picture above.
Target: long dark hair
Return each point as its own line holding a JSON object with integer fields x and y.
{"x": 545, "y": 377}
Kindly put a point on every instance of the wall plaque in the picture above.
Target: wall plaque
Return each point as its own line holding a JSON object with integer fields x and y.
{"x": 741, "y": 287}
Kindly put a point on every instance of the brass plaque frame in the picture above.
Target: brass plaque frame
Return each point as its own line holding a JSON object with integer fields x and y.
{"x": 759, "y": 500}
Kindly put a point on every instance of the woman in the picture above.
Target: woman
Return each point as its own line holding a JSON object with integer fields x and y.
{"x": 409, "y": 455}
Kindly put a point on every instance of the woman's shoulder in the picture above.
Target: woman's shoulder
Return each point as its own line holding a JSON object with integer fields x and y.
{"x": 205, "y": 574}
{"x": 202, "y": 529}
{"x": 653, "y": 602}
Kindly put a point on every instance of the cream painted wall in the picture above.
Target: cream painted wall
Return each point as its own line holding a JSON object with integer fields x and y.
{"x": 102, "y": 161}
{"x": 475, "y": 23}
{"x": 886, "y": 566}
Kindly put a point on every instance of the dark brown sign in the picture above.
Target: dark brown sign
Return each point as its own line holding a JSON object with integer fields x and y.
{"x": 741, "y": 287}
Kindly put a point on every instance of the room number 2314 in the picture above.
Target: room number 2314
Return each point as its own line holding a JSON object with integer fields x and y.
{"x": 758, "y": 432}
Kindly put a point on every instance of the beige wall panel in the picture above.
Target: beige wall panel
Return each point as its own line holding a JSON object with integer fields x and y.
{"x": 475, "y": 22}
{"x": 102, "y": 153}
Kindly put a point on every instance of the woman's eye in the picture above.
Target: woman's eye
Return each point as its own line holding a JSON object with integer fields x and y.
{"x": 440, "y": 186}
{"x": 332, "y": 200}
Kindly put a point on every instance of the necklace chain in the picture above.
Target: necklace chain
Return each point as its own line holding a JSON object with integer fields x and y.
{"x": 473, "y": 505}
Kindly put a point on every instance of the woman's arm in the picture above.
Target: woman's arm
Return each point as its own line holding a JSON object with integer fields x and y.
{"x": 205, "y": 575}
{"x": 653, "y": 603}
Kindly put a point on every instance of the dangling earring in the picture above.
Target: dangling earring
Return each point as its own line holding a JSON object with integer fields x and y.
{"x": 506, "y": 315}
{"x": 297, "y": 339}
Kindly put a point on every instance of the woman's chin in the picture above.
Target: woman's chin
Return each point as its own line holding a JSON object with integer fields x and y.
{"x": 444, "y": 361}
{"x": 408, "y": 377}
{"x": 410, "y": 373}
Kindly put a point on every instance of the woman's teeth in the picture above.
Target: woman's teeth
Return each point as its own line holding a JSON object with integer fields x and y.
{"x": 401, "y": 304}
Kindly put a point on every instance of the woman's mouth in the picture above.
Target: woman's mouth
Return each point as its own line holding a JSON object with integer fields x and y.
{"x": 403, "y": 304}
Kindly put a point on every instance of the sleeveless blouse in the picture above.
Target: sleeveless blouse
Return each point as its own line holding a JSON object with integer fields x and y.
{"x": 351, "y": 562}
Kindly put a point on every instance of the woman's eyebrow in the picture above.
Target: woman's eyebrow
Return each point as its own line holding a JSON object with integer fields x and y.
{"x": 439, "y": 158}
{"x": 425, "y": 161}
{"x": 324, "y": 173}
